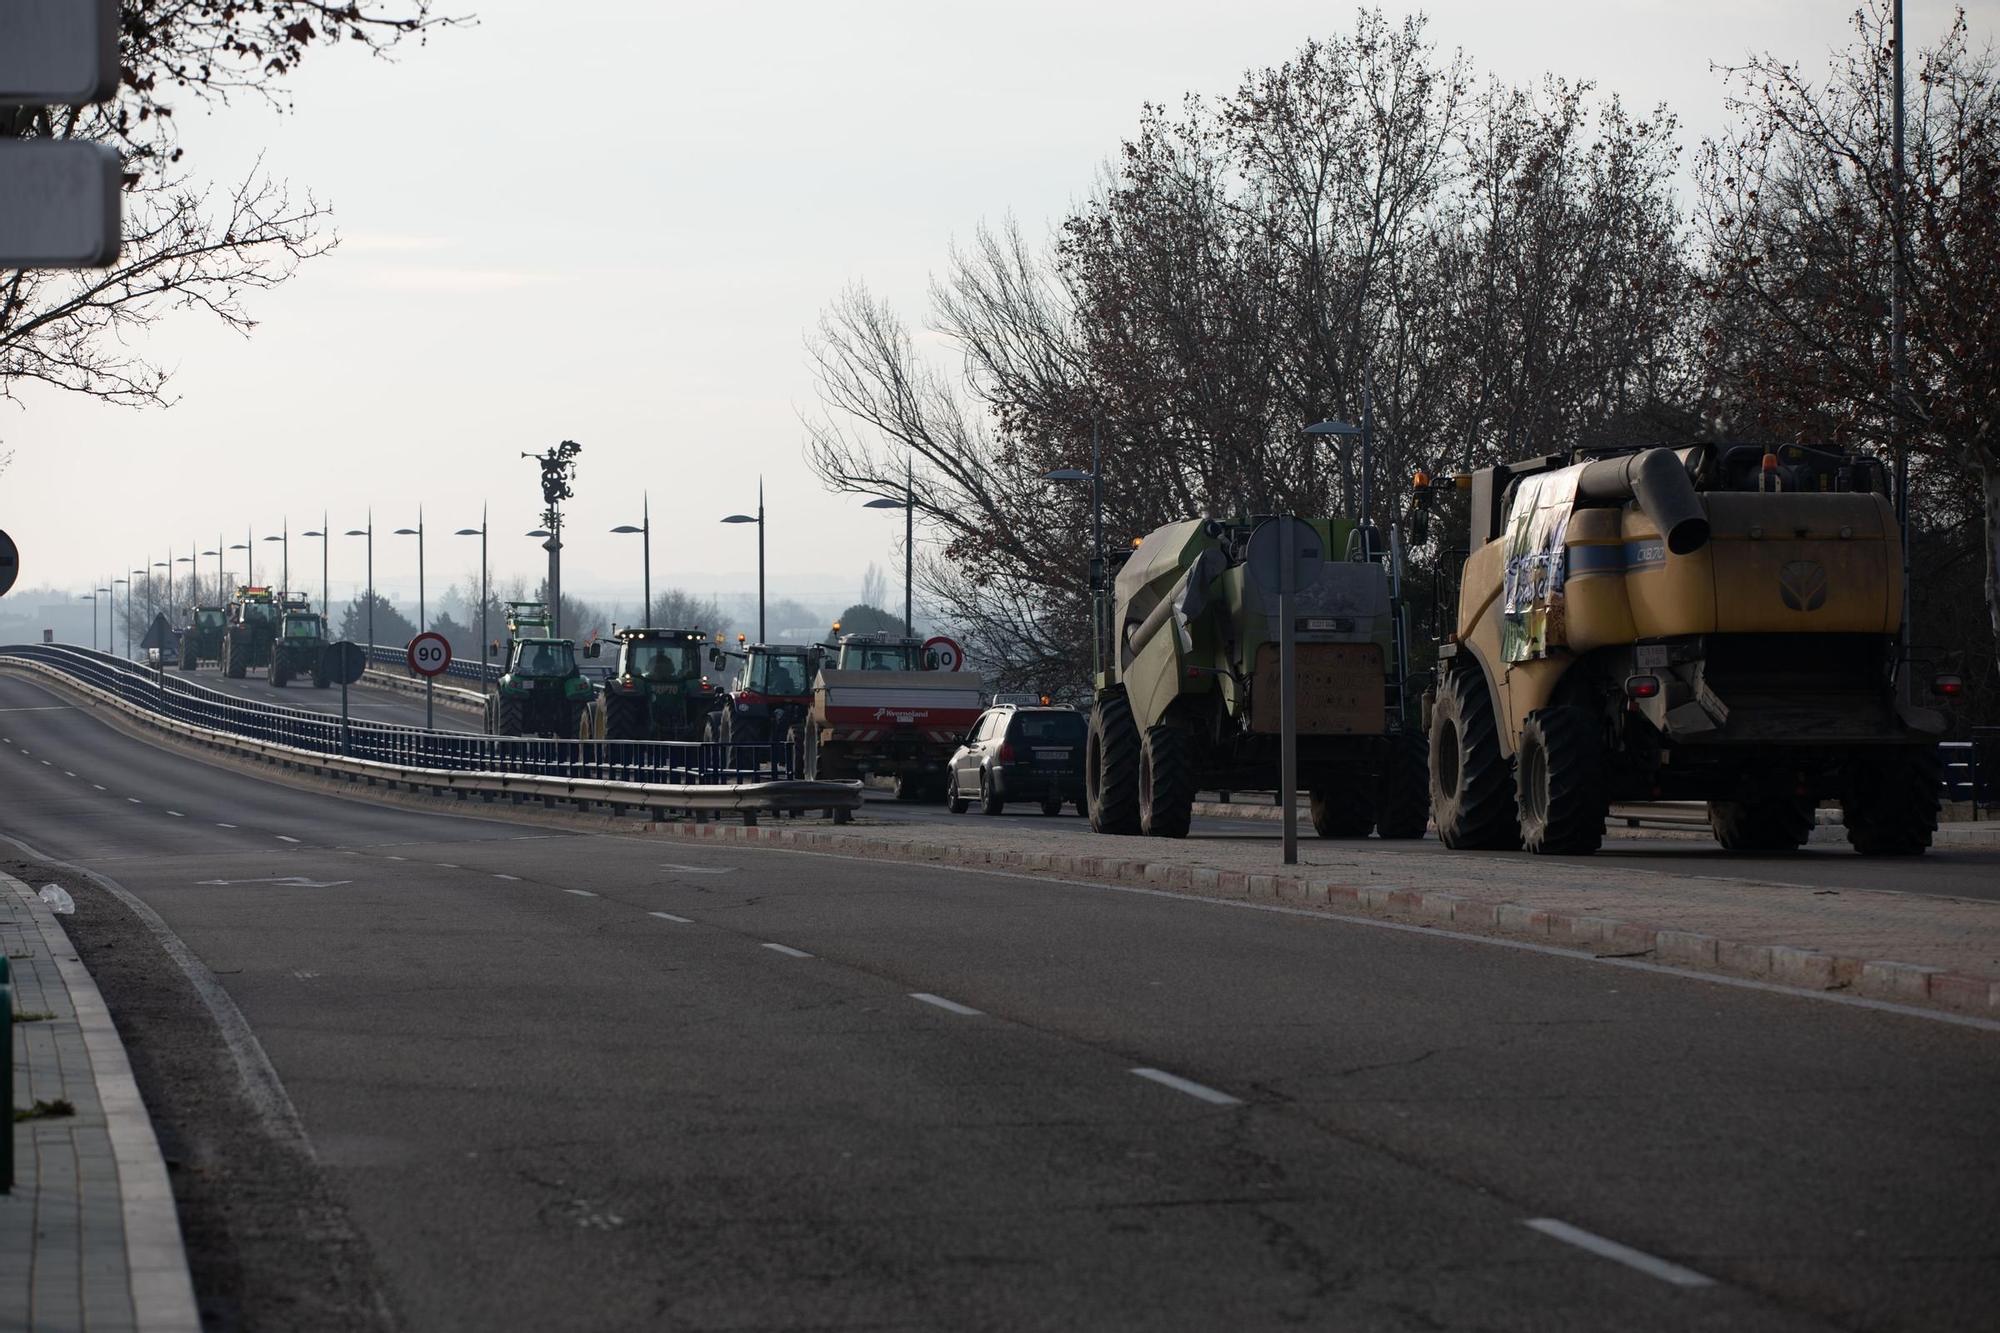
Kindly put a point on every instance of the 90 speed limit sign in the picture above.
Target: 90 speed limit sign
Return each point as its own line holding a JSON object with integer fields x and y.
{"x": 943, "y": 654}
{"x": 429, "y": 654}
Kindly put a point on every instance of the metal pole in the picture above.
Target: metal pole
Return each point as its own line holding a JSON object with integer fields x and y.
{"x": 430, "y": 696}
{"x": 555, "y": 577}
{"x": 325, "y": 587}
{"x": 285, "y": 555}
{"x": 221, "y": 575}
{"x": 250, "y": 555}
{"x": 1097, "y": 616}
{"x": 1899, "y": 370}
{"x": 761, "y": 636}
{"x": 371, "y": 583}
{"x": 646, "y": 548}
{"x": 1288, "y": 739}
{"x": 483, "y": 595}
{"x": 909, "y": 549}
{"x": 423, "y": 620}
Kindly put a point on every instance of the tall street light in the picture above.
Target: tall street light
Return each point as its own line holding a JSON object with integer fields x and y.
{"x": 325, "y": 591}
{"x": 249, "y": 548}
{"x": 111, "y": 628}
{"x": 759, "y": 521}
{"x": 423, "y": 620}
{"x": 91, "y": 597}
{"x": 194, "y": 576}
{"x": 137, "y": 575}
{"x": 168, "y": 565}
{"x": 645, "y": 531}
{"x": 221, "y": 575}
{"x": 908, "y": 504}
{"x": 369, "y": 533}
{"x": 480, "y": 532}
{"x": 1096, "y": 479}
{"x": 285, "y": 565}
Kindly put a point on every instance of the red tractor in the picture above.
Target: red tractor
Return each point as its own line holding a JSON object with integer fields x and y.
{"x": 770, "y": 695}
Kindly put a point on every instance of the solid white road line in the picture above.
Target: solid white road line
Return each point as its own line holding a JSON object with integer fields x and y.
{"x": 515, "y": 878}
{"x": 1189, "y": 1086}
{"x": 581, "y": 893}
{"x": 1622, "y": 1254}
{"x": 787, "y": 950}
{"x": 696, "y": 870}
{"x": 282, "y": 837}
{"x": 669, "y": 916}
{"x": 949, "y": 1006}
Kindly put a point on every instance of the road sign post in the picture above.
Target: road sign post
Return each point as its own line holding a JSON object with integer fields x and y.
{"x": 345, "y": 662}
{"x": 429, "y": 655}
{"x": 10, "y": 563}
{"x": 943, "y": 654}
{"x": 1280, "y": 550}
{"x": 60, "y": 199}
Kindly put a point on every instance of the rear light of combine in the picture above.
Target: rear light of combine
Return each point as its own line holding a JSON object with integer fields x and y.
{"x": 1642, "y": 687}
{"x": 1947, "y": 687}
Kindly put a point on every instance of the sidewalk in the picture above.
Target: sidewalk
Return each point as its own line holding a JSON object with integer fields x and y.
{"x": 89, "y": 1239}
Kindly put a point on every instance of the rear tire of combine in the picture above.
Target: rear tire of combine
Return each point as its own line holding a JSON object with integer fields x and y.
{"x": 1166, "y": 784}
{"x": 1406, "y": 800}
{"x": 1560, "y": 782}
{"x": 1774, "y": 824}
{"x": 1891, "y": 803}
{"x": 507, "y": 718}
{"x": 1111, "y": 767}
{"x": 1472, "y": 793}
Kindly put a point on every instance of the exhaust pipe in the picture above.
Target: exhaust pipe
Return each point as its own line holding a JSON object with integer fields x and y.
{"x": 1658, "y": 481}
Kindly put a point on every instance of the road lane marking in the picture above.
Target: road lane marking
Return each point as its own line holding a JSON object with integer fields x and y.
{"x": 669, "y": 916}
{"x": 47, "y": 764}
{"x": 395, "y": 858}
{"x": 787, "y": 950}
{"x": 1200, "y": 1091}
{"x": 135, "y": 800}
{"x": 949, "y": 1006}
{"x": 282, "y": 837}
{"x": 100, "y": 786}
{"x": 46, "y": 708}
{"x": 177, "y": 814}
{"x": 68, "y": 774}
{"x": 446, "y": 865}
{"x": 1622, "y": 1254}
{"x": 581, "y": 893}
{"x": 697, "y": 870}
{"x": 225, "y": 826}
{"x": 515, "y": 878}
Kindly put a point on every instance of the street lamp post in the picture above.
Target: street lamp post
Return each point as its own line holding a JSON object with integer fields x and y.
{"x": 480, "y": 532}
{"x": 91, "y": 597}
{"x": 423, "y": 619}
{"x": 111, "y": 625}
{"x": 249, "y": 548}
{"x": 645, "y": 531}
{"x": 759, "y": 521}
{"x": 908, "y": 504}
{"x": 325, "y": 591}
{"x": 369, "y": 533}
{"x": 194, "y": 577}
{"x": 168, "y": 565}
{"x": 285, "y": 562}
{"x": 137, "y": 575}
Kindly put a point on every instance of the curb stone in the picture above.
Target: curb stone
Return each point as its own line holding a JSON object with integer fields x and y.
{"x": 1783, "y": 964}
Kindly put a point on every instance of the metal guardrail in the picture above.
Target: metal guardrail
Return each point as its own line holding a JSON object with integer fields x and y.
{"x": 1970, "y": 768}
{"x": 381, "y": 654}
{"x": 691, "y": 775}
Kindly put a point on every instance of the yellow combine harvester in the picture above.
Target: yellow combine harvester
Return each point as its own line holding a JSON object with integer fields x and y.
{"x": 1715, "y": 623}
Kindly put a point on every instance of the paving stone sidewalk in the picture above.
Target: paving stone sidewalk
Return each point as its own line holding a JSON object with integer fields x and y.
{"x": 89, "y": 1241}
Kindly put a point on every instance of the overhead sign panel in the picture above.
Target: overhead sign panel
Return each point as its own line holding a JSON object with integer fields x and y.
{"x": 58, "y": 52}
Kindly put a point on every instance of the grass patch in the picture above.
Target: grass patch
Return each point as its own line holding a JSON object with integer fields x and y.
{"x": 44, "y": 1110}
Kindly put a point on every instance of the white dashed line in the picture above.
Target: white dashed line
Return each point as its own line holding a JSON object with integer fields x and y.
{"x": 949, "y": 1006}
{"x": 669, "y": 916}
{"x": 515, "y": 878}
{"x": 581, "y": 893}
{"x": 100, "y": 786}
{"x": 395, "y": 858}
{"x": 1621, "y": 1254}
{"x": 787, "y": 950}
{"x": 225, "y": 826}
{"x": 68, "y": 774}
{"x": 135, "y": 800}
{"x": 283, "y": 837}
{"x": 445, "y": 865}
{"x": 177, "y": 814}
{"x": 1200, "y": 1091}
{"x": 47, "y": 764}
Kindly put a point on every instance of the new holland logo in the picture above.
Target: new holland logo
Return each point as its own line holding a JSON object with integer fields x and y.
{"x": 1802, "y": 583}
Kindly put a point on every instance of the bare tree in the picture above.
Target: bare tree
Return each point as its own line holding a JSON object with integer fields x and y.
{"x": 186, "y": 244}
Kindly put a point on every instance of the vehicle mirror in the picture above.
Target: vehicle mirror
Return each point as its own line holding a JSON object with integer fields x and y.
{"x": 493, "y": 648}
{"x": 592, "y": 648}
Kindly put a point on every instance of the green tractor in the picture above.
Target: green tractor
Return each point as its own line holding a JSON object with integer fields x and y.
{"x": 201, "y": 641}
{"x": 658, "y": 692}
{"x": 1189, "y": 698}
{"x": 528, "y": 620}
{"x": 251, "y": 627}
{"x": 299, "y": 650}
{"x": 542, "y": 692}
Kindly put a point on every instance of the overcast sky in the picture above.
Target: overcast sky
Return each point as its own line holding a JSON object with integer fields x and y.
{"x": 617, "y": 228}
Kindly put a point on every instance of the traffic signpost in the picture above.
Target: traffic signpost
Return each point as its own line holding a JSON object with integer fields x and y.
{"x": 943, "y": 654}
{"x": 10, "y": 563}
{"x": 59, "y": 198}
{"x": 345, "y": 662}
{"x": 429, "y": 656}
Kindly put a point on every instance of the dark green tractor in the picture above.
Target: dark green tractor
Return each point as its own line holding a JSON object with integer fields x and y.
{"x": 299, "y": 650}
{"x": 658, "y": 692}
{"x": 542, "y": 693}
{"x": 251, "y": 626}
{"x": 201, "y": 641}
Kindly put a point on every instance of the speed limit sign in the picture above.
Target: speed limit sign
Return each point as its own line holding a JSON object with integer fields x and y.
{"x": 429, "y": 653}
{"x": 942, "y": 654}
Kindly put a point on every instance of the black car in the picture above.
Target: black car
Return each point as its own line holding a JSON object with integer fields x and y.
{"x": 1018, "y": 753}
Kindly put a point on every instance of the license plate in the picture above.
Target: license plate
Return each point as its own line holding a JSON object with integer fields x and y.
{"x": 1329, "y": 626}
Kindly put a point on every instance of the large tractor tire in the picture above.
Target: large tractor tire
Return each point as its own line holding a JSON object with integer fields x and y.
{"x": 1405, "y": 809}
{"x": 188, "y": 654}
{"x": 321, "y": 680}
{"x": 1111, "y": 767}
{"x": 508, "y": 719}
{"x": 624, "y": 717}
{"x": 1471, "y": 789}
{"x": 1772, "y": 824}
{"x": 1166, "y": 784}
{"x": 1559, "y": 783}
{"x": 1891, "y": 803}
{"x": 1342, "y": 808}
{"x": 277, "y": 674}
{"x": 233, "y": 664}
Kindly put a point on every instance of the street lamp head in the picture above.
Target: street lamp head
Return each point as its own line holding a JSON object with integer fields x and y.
{"x": 159, "y": 564}
{"x": 183, "y": 559}
{"x": 1068, "y": 474}
{"x": 884, "y": 503}
{"x": 1331, "y": 427}
{"x": 627, "y": 527}
{"x": 538, "y": 532}
{"x": 740, "y": 518}
{"x": 274, "y": 539}
{"x": 239, "y": 547}
{"x": 357, "y": 532}
{"x": 470, "y": 532}
{"x": 400, "y": 532}
{"x": 211, "y": 553}
{"x": 312, "y": 534}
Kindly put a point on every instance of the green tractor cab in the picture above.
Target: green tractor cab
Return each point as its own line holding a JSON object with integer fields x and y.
{"x": 657, "y": 693}
{"x": 542, "y": 692}
{"x": 201, "y": 641}
{"x": 299, "y": 650}
{"x": 251, "y": 627}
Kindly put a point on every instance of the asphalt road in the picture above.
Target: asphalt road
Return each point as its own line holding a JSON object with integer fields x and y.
{"x": 365, "y": 703}
{"x": 597, "y": 1081}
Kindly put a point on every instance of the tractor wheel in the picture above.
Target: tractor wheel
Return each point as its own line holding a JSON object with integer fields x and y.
{"x": 1166, "y": 783}
{"x": 320, "y": 679}
{"x": 1773, "y": 824}
{"x": 1342, "y": 809}
{"x": 1891, "y": 803}
{"x": 277, "y": 675}
{"x": 1560, "y": 785}
{"x": 507, "y": 716}
{"x": 624, "y": 717}
{"x": 1052, "y": 806}
{"x": 1111, "y": 767}
{"x": 1406, "y": 790}
{"x": 989, "y": 802}
{"x": 188, "y": 662}
{"x": 1472, "y": 797}
{"x": 233, "y": 665}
